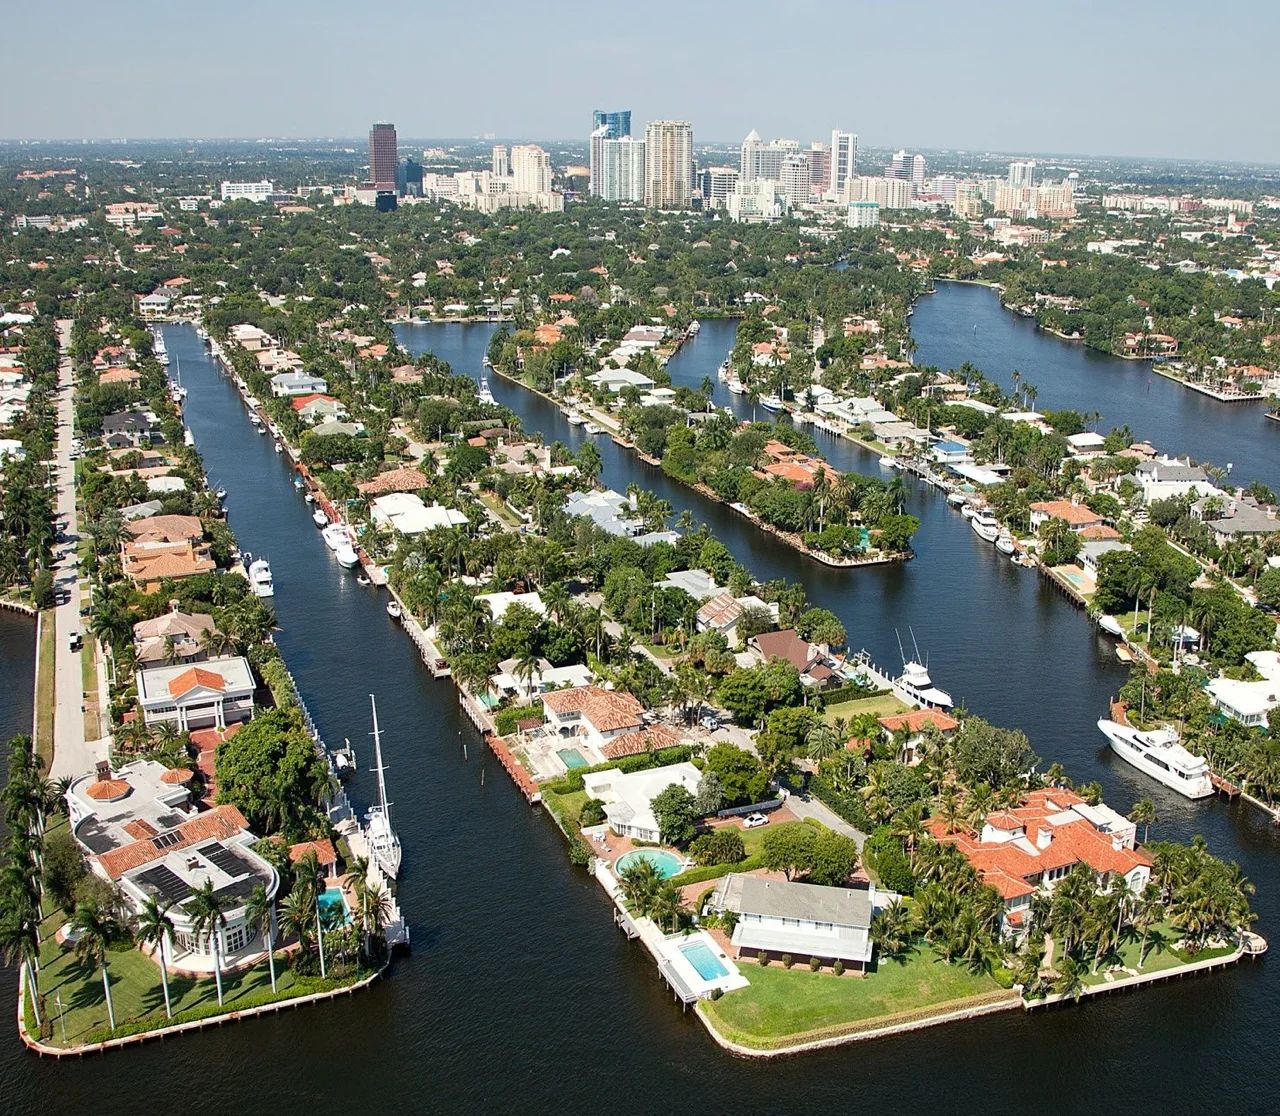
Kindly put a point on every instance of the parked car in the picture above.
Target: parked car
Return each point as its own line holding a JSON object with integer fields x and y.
{"x": 710, "y": 722}
{"x": 75, "y": 641}
{"x": 754, "y": 821}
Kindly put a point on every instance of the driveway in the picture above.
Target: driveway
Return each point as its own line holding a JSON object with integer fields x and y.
{"x": 810, "y": 807}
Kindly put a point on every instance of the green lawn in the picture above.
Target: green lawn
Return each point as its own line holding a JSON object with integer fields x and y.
{"x": 1160, "y": 955}
{"x": 500, "y": 509}
{"x": 567, "y": 807}
{"x": 882, "y": 705}
{"x": 785, "y": 1006}
{"x": 46, "y": 699}
{"x": 136, "y": 991}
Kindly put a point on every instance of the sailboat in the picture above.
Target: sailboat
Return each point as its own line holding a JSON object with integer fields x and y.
{"x": 384, "y": 845}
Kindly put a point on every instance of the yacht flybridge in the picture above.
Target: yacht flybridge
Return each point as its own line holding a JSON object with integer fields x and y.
{"x": 1160, "y": 754}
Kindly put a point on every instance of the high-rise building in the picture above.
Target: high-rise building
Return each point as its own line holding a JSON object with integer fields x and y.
{"x": 917, "y": 173}
{"x": 863, "y": 215}
{"x": 887, "y": 193}
{"x": 668, "y": 164}
{"x": 819, "y": 166}
{"x": 717, "y": 183}
{"x": 899, "y": 166}
{"x": 383, "y": 158}
{"x": 764, "y": 160}
{"x": 531, "y": 169}
{"x": 968, "y": 200}
{"x": 794, "y": 177}
{"x": 500, "y": 162}
{"x": 409, "y": 178}
{"x": 606, "y": 126}
{"x": 1022, "y": 174}
{"x": 844, "y": 160}
{"x": 619, "y": 173}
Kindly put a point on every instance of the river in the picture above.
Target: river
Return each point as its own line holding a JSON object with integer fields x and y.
{"x": 520, "y": 993}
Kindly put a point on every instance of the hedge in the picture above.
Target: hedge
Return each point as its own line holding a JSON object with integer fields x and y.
{"x": 642, "y": 761}
{"x": 715, "y": 871}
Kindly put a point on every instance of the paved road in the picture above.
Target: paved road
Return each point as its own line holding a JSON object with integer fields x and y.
{"x": 811, "y": 808}
{"x": 72, "y": 754}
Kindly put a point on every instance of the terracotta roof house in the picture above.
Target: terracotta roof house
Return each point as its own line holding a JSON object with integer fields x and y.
{"x": 1076, "y": 515}
{"x": 914, "y": 724}
{"x": 405, "y": 479}
{"x": 652, "y": 739}
{"x": 150, "y": 565}
{"x": 129, "y": 376}
{"x": 1028, "y": 849}
{"x": 215, "y": 692}
{"x": 595, "y": 714}
{"x": 317, "y": 407}
{"x": 166, "y": 529}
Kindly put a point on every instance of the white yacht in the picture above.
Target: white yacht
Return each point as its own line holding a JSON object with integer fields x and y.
{"x": 1004, "y": 543}
{"x": 575, "y": 419}
{"x": 484, "y": 394}
{"x": 384, "y": 845}
{"x": 722, "y": 373}
{"x": 334, "y": 535}
{"x": 985, "y": 525}
{"x": 1160, "y": 754}
{"x": 958, "y": 499}
{"x": 888, "y": 461}
{"x": 771, "y": 403}
{"x": 346, "y": 554}
{"x": 593, "y": 428}
{"x": 1111, "y": 626}
{"x": 918, "y": 686}
{"x": 260, "y": 580}
{"x": 694, "y": 326}
{"x": 968, "y": 511}
{"x": 737, "y": 387}
{"x": 319, "y": 518}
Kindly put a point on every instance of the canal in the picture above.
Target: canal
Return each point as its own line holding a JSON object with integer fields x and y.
{"x": 520, "y": 992}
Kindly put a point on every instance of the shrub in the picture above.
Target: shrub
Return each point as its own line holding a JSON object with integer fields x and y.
{"x": 787, "y": 960}
{"x": 814, "y": 964}
{"x": 720, "y": 846}
{"x": 763, "y": 959}
{"x": 579, "y": 851}
{"x": 592, "y": 813}
{"x": 838, "y": 967}
{"x": 715, "y": 871}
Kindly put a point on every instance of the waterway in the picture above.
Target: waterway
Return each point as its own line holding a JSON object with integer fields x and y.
{"x": 520, "y": 992}
{"x": 965, "y": 321}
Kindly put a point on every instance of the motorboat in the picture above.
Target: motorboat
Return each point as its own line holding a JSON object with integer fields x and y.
{"x": 319, "y": 518}
{"x": 298, "y": 484}
{"x": 260, "y": 580}
{"x": 722, "y": 373}
{"x": 1004, "y": 543}
{"x": 958, "y": 499}
{"x": 916, "y": 683}
{"x": 737, "y": 387}
{"x": 888, "y": 461}
{"x": 346, "y": 554}
{"x": 309, "y": 497}
{"x": 694, "y": 326}
{"x": 771, "y": 403}
{"x": 575, "y": 419}
{"x": 384, "y": 845}
{"x": 484, "y": 394}
{"x": 221, "y": 493}
{"x": 968, "y": 511}
{"x": 1160, "y": 754}
{"x": 279, "y": 447}
{"x": 363, "y": 579}
{"x": 334, "y": 535}
{"x": 394, "y": 610}
{"x": 1111, "y": 626}
{"x": 986, "y": 526}
{"x": 593, "y": 428}
{"x": 344, "y": 760}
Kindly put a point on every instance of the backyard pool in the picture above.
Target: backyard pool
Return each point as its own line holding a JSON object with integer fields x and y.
{"x": 665, "y": 864}
{"x": 333, "y": 906}
{"x": 707, "y": 964}
{"x": 572, "y": 758}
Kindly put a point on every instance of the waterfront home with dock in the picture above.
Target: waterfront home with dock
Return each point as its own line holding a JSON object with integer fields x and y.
{"x": 215, "y": 693}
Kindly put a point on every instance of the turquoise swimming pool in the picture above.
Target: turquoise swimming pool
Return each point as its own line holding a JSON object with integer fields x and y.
{"x": 704, "y": 961}
{"x": 666, "y": 864}
{"x": 333, "y": 906}
{"x": 572, "y": 758}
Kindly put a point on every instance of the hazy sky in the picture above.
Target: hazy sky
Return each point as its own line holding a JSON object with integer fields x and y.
{"x": 1141, "y": 77}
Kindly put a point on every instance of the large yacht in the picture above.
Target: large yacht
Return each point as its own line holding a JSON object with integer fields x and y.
{"x": 1160, "y": 754}
{"x": 260, "y": 580}
{"x": 985, "y": 526}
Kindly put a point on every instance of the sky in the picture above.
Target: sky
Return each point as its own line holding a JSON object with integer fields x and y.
{"x": 1168, "y": 79}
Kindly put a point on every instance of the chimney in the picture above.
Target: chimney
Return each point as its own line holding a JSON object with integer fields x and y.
{"x": 1044, "y": 837}
{"x": 1117, "y": 841}
{"x": 102, "y": 770}
{"x": 173, "y": 604}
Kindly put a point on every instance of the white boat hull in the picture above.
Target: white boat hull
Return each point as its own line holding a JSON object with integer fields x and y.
{"x": 1119, "y": 737}
{"x": 1004, "y": 544}
{"x": 985, "y": 531}
{"x": 1111, "y": 626}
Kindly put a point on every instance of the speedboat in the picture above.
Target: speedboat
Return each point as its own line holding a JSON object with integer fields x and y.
{"x": 1160, "y": 754}
{"x": 1111, "y": 626}
{"x": 260, "y": 580}
{"x": 592, "y": 428}
{"x": 484, "y": 394}
{"x": 309, "y": 497}
{"x": 985, "y": 525}
{"x": 334, "y": 535}
{"x": 888, "y": 461}
{"x": 722, "y": 373}
{"x": 297, "y": 483}
{"x": 394, "y": 610}
{"x": 575, "y": 419}
{"x": 346, "y": 554}
{"x": 771, "y": 403}
{"x": 279, "y": 447}
{"x": 1004, "y": 543}
{"x": 968, "y": 511}
{"x": 958, "y": 499}
{"x": 694, "y": 326}
{"x": 737, "y": 387}
{"x": 319, "y": 518}
{"x": 918, "y": 686}
{"x": 363, "y": 579}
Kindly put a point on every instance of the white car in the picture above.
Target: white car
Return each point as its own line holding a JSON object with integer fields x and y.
{"x": 754, "y": 821}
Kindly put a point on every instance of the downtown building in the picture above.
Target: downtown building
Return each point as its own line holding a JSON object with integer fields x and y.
{"x": 384, "y": 162}
{"x": 605, "y": 126}
{"x": 619, "y": 173}
{"x": 668, "y": 164}
{"x": 887, "y": 193}
{"x": 843, "y": 161}
{"x": 764, "y": 160}
{"x": 716, "y": 184}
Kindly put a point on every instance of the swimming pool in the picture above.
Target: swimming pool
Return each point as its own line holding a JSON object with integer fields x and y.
{"x": 666, "y": 864}
{"x": 333, "y": 906}
{"x": 572, "y": 758}
{"x": 707, "y": 964}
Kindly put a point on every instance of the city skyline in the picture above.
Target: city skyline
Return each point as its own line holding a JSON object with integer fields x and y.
{"x": 1069, "y": 77}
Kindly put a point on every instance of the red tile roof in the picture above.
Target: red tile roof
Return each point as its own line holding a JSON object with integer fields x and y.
{"x": 607, "y": 710}
{"x": 646, "y": 740}
{"x": 917, "y": 719}
{"x": 188, "y": 680}
{"x": 220, "y": 824}
{"x": 1075, "y": 514}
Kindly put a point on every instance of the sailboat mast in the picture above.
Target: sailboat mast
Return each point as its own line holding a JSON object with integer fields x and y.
{"x": 377, "y": 759}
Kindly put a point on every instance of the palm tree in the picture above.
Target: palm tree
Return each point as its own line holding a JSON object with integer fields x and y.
{"x": 822, "y": 742}
{"x": 296, "y": 916}
{"x": 20, "y": 943}
{"x": 205, "y": 909}
{"x": 155, "y": 928}
{"x": 893, "y": 930}
{"x": 260, "y": 914}
{"x": 1148, "y": 910}
{"x": 1144, "y": 814}
{"x": 95, "y": 930}
{"x": 375, "y": 909}
{"x": 308, "y": 875}
{"x": 1070, "y": 980}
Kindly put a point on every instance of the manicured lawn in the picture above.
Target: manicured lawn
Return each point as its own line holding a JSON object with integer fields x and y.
{"x": 784, "y": 1006}
{"x": 568, "y": 807}
{"x": 136, "y": 992}
{"x": 495, "y": 505}
{"x": 45, "y": 698}
{"x": 882, "y": 705}
{"x": 89, "y": 684}
{"x": 1160, "y": 955}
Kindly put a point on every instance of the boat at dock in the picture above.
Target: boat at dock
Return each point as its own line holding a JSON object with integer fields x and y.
{"x": 914, "y": 684}
{"x": 737, "y": 387}
{"x": 986, "y": 526}
{"x": 574, "y": 418}
{"x": 888, "y": 461}
{"x": 958, "y": 499}
{"x": 319, "y": 518}
{"x": 260, "y": 580}
{"x": 394, "y": 610}
{"x": 334, "y": 535}
{"x": 1111, "y": 626}
{"x": 1160, "y": 754}
{"x": 345, "y": 553}
{"x": 771, "y": 403}
{"x": 484, "y": 394}
{"x": 344, "y": 760}
{"x": 592, "y": 428}
{"x": 384, "y": 845}
{"x": 279, "y": 446}
{"x": 694, "y": 326}
{"x": 1004, "y": 543}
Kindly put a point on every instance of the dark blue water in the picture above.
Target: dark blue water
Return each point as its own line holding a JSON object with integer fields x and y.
{"x": 1070, "y": 375}
{"x": 521, "y": 995}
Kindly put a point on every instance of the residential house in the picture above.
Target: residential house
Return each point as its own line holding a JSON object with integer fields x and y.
{"x": 1026, "y": 850}
{"x": 286, "y": 385}
{"x": 498, "y": 603}
{"x": 1235, "y": 518}
{"x": 164, "y": 547}
{"x": 405, "y": 479}
{"x": 592, "y": 714}
{"x": 126, "y": 429}
{"x": 1250, "y": 703}
{"x": 910, "y": 728}
{"x": 1076, "y": 516}
{"x": 628, "y": 798}
{"x": 173, "y": 636}
{"x": 250, "y": 337}
{"x": 810, "y": 659}
{"x": 1086, "y": 444}
{"x": 615, "y": 379}
{"x": 723, "y": 612}
{"x": 1092, "y": 551}
{"x": 509, "y": 681}
{"x": 216, "y": 692}
{"x": 777, "y": 918}
{"x": 1166, "y": 477}
{"x": 318, "y": 408}
{"x": 405, "y": 513}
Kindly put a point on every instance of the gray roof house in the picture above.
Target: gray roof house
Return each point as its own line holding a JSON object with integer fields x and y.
{"x": 287, "y": 384}
{"x": 805, "y": 920}
{"x": 1240, "y": 519}
{"x": 129, "y": 428}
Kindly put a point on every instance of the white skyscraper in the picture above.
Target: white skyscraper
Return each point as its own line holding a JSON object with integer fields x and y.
{"x": 844, "y": 160}
{"x": 500, "y": 162}
{"x": 668, "y": 172}
{"x": 917, "y": 173}
{"x": 764, "y": 160}
{"x": 1022, "y": 174}
{"x": 621, "y": 165}
{"x": 717, "y": 184}
{"x": 900, "y": 166}
{"x": 794, "y": 176}
{"x": 531, "y": 167}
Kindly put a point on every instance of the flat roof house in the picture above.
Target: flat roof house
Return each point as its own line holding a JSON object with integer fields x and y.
{"x": 805, "y": 920}
{"x": 287, "y": 384}
{"x": 628, "y": 798}
{"x": 214, "y": 693}
{"x": 406, "y": 513}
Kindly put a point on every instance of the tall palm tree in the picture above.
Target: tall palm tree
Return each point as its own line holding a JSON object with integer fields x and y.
{"x": 155, "y": 928}
{"x": 822, "y": 742}
{"x": 207, "y": 917}
{"x": 1144, "y": 814}
{"x": 308, "y": 875}
{"x": 20, "y": 944}
{"x": 95, "y": 929}
{"x": 296, "y": 916}
{"x": 375, "y": 910}
{"x": 260, "y": 914}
